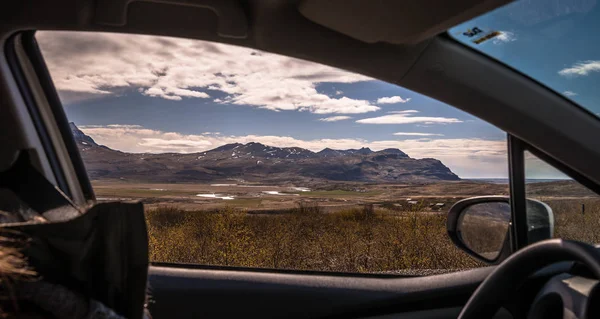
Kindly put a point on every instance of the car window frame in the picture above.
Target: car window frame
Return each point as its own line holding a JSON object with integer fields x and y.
{"x": 34, "y": 54}
{"x": 517, "y": 179}
{"x": 71, "y": 177}
{"x": 515, "y": 157}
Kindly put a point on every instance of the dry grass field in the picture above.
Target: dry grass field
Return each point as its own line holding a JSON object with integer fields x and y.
{"x": 348, "y": 228}
{"x": 305, "y": 238}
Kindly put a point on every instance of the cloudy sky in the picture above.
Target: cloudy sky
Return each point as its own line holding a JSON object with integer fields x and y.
{"x": 153, "y": 94}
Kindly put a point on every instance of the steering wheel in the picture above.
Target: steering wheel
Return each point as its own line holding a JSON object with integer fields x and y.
{"x": 512, "y": 273}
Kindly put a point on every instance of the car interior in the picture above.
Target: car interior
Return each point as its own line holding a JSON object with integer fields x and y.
{"x": 100, "y": 249}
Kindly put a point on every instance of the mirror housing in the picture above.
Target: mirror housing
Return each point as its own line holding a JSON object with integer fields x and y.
{"x": 480, "y": 226}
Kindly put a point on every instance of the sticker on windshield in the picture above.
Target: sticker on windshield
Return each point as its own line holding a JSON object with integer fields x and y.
{"x": 478, "y": 35}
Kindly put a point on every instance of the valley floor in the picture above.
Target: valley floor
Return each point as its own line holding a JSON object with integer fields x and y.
{"x": 255, "y": 198}
{"x": 348, "y": 227}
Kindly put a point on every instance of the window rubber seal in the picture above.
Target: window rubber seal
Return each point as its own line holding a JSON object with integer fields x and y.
{"x": 34, "y": 55}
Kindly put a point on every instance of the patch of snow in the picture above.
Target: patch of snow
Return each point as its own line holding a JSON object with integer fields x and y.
{"x": 252, "y": 186}
{"x": 301, "y": 189}
{"x": 84, "y": 143}
{"x": 278, "y": 193}
{"x": 207, "y": 195}
{"x": 223, "y": 184}
{"x": 215, "y": 196}
{"x": 272, "y": 192}
{"x": 157, "y": 189}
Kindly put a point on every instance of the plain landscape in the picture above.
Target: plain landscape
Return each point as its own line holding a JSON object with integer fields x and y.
{"x": 253, "y": 205}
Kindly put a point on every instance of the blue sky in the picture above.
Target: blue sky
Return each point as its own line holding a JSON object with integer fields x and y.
{"x": 556, "y": 43}
{"x": 153, "y": 94}
{"x": 192, "y": 116}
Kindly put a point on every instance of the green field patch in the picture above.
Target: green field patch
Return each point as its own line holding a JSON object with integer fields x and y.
{"x": 244, "y": 202}
{"x": 337, "y": 193}
{"x": 141, "y": 192}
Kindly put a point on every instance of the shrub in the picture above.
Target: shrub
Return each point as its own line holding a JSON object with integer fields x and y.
{"x": 360, "y": 239}
{"x": 354, "y": 240}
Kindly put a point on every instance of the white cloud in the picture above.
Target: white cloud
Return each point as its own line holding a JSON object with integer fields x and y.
{"x": 416, "y": 134}
{"x": 158, "y": 143}
{"x": 90, "y": 65}
{"x": 338, "y": 92}
{"x": 174, "y": 93}
{"x": 466, "y": 157}
{"x": 504, "y": 37}
{"x": 403, "y": 112}
{"x": 392, "y": 100}
{"x": 581, "y": 68}
{"x": 335, "y": 118}
{"x": 406, "y": 117}
{"x": 569, "y": 93}
{"x": 122, "y": 126}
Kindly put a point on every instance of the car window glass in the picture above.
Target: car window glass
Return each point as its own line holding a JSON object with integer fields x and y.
{"x": 247, "y": 158}
{"x": 514, "y": 34}
{"x": 576, "y": 209}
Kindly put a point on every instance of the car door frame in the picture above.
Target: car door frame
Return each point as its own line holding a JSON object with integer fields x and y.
{"x": 352, "y": 283}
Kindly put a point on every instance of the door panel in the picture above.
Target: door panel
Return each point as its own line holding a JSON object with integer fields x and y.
{"x": 194, "y": 293}
{"x": 441, "y": 313}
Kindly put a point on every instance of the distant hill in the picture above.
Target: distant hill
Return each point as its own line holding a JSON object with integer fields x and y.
{"x": 256, "y": 162}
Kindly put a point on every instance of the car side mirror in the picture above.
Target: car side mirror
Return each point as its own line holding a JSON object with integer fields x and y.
{"x": 480, "y": 226}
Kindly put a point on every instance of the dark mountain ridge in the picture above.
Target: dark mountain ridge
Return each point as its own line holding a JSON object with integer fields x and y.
{"x": 80, "y": 137}
{"x": 328, "y": 152}
{"x": 256, "y": 162}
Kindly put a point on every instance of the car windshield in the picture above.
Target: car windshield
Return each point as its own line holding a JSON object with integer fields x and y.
{"x": 554, "y": 43}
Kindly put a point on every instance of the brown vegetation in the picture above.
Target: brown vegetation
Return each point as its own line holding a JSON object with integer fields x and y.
{"x": 306, "y": 238}
{"x": 354, "y": 240}
{"x": 573, "y": 222}
{"x": 484, "y": 236}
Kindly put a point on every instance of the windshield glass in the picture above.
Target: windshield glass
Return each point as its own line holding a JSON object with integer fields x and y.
{"x": 555, "y": 43}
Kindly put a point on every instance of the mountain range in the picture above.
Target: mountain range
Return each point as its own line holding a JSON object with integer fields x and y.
{"x": 256, "y": 162}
